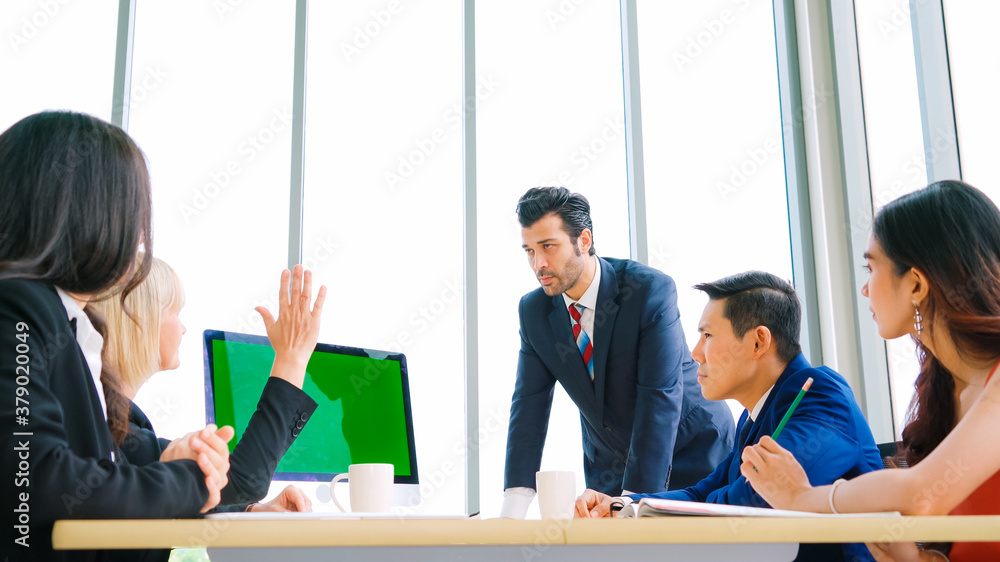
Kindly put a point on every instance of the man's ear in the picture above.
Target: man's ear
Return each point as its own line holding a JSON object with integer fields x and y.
{"x": 762, "y": 341}
{"x": 585, "y": 240}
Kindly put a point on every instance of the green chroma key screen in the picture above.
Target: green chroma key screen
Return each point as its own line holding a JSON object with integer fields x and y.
{"x": 363, "y": 414}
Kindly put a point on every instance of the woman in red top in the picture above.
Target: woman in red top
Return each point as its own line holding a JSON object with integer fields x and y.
{"x": 934, "y": 274}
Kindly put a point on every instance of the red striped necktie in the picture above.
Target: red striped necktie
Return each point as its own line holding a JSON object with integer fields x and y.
{"x": 581, "y": 337}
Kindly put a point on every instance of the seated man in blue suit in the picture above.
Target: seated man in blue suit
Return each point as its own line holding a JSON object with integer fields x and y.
{"x": 609, "y": 331}
{"x": 749, "y": 352}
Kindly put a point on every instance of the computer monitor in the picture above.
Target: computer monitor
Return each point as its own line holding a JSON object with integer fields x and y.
{"x": 363, "y": 416}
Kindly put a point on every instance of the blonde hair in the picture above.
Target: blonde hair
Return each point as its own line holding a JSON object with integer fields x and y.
{"x": 132, "y": 343}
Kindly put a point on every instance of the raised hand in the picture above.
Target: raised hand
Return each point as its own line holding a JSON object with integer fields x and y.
{"x": 294, "y": 333}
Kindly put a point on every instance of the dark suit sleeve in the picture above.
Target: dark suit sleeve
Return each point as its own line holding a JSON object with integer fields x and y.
{"x": 819, "y": 434}
{"x": 282, "y": 412}
{"x": 60, "y": 482}
{"x": 659, "y": 388}
{"x": 701, "y": 491}
{"x": 529, "y": 415}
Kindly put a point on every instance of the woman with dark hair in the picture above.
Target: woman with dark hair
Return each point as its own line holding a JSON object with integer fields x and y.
{"x": 934, "y": 263}
{"x": 74, "y": 209}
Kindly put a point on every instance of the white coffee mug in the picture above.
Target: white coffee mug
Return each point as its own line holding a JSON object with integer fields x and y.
{"x": 556, "y": 493}
{"x": 370, "y": 487}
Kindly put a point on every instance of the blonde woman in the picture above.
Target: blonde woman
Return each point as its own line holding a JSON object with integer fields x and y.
{"x": 148, "y": 342}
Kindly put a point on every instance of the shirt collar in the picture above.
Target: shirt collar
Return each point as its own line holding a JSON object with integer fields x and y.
{"x": 760, "y": 405}
{"x": 589, "y": 298}
{"x": 88, "y": 338}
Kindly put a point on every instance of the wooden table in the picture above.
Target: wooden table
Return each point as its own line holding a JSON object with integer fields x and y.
{"x": 701, "y": 538}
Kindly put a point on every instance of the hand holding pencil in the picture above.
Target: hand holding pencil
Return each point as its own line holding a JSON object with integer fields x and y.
{"x": 773, "y": 471}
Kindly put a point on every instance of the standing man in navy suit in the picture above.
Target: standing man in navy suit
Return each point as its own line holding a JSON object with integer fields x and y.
{"x": 609, "y": 331}
{"x": 749, "y": 351}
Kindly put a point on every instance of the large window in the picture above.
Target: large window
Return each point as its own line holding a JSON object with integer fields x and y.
{"x": 715, "y": 180}
{"x": 57, "y": 55}
{"x": 216, "y": 131}
{"x": 383, "y": 214}
{"x": 895, "y": 144}
{"x": 974, "y": 61}
{"x": 383, "y": 206}
{"x": 551, "y": 114}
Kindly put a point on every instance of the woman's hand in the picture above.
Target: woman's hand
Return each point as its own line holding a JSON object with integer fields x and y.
{"x": 592, "y": 503}
{"x": 290, "y": 499}
{"x": 209, "y": 449}
{"x": 774, "y": 474}
{"x": 293, "y": 335}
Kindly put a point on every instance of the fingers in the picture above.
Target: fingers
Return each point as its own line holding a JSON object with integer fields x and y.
{"x": 226, "y": 433}
{"x": 603, "y": 507}
{"x": 266, "y": 316}
{"x": 307, "y": 290}
{"x": 296, "y": 499}
{"x": 283, "y": 293}
{"x": 592, "y": 504}
{"x": 213, "y": 453}
{"x": 296, "y": 295}
{"x": 320, "y": 299}
{"x": 769, "y": 445}
{"x": 214, "y": 494}
{"x": 752, "y": 462}
{"x": 582, "y": 506}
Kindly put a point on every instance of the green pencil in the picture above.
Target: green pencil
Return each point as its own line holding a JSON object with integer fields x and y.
{"x": 791, "y": 409}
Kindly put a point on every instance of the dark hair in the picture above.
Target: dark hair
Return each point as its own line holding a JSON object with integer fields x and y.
{"x": 74, "y": 207}
{"x": 756, "y": 298}
{"x": 572, "y": 208}
{"x": 950, "y": 232}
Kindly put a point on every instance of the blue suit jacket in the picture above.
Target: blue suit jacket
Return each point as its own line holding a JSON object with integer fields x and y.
{"x": 827, "y": 433}
{"x": 645, "y": 423}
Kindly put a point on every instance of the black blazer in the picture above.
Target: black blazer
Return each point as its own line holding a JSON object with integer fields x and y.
{"x": 281, "y": 414}
{"x": 66, "y": 457}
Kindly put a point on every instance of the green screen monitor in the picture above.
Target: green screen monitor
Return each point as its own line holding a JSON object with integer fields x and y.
{"x": 363, "y": 415}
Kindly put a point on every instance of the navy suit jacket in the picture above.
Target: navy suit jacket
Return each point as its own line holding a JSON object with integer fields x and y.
{"x": 645, "y": 424}
{"x": 827, "y": 433}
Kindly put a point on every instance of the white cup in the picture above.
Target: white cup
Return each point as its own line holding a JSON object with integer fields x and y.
{"x": 556, "y": 493}
{"x": 370, "y": 487}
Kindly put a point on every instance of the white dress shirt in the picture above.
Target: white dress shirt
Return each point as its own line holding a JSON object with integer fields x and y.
{"x": 760, "y": 405}
{"x": 517, "y": 500}
{"x": 90, "y": 341}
